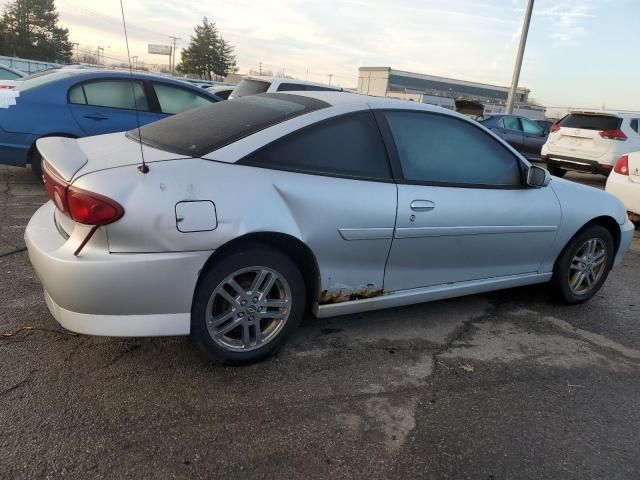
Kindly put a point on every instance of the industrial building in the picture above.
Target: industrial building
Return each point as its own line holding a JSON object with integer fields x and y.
{"x": 386, "y": 82}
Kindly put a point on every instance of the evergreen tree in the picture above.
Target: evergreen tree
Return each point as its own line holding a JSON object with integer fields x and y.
{"x": 29, "y": 28}
{"x": 208, "y": 53}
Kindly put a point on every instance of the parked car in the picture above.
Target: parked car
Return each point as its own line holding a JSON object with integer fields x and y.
{"x": 255, "y": 209}
{"x": 222, "y": 91}
{"x": 624, "y": 183}
{"x": 255, "y": 85}
{"x": 77, "y": 103}
{"x": 521, "y": 133}
{"x": 591, "y": 142}
{"x": 7, "y": 73}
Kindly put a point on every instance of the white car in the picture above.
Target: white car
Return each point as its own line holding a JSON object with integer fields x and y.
{"x": 590, "y": 142}
{"x": 624, "y": 183}
{"x": 256, "y": 85}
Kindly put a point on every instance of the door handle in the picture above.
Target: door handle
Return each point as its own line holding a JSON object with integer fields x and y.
{"x": 96, "y": 117}
{"x": 422, "y": 205}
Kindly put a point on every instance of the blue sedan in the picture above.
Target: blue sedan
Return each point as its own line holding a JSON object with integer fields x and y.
{"x": 79, "y": 103}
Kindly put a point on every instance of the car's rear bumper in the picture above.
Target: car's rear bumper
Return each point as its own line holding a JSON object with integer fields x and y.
{"x": 626, "y": 190}
{"x": 102, "y": 293}
{"x": 576, "y": 164}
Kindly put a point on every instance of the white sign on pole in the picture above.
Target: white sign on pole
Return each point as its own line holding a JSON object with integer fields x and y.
{"x": 159, "y": 49}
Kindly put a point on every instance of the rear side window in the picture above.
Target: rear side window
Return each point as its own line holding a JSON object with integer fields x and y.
{"x": 201, "y": 131}
{"x": 250, "y": 87}
{"x": 590, "y": 122}
{"x": 440, "y": 149}
{"x": 292, "y": 87}
{"x": 634, "y": 125}
{"x": 349, "y": 145}
{"x": 509, "y": 123}
{"x": 128, "y": 94}
{"x": 177, "y": 100}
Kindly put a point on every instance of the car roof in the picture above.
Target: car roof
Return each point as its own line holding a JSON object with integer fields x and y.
{"x": 290, "y": 80}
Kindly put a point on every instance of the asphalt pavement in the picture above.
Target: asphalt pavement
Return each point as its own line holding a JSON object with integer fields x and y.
{"x": 507, "y": 385}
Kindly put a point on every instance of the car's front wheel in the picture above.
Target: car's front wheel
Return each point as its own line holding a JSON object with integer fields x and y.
{"x": 246, "y": 304}
{"x": 584, "y": 265}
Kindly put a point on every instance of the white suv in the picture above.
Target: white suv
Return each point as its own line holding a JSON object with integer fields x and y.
{"x": 256, "y": 85}
{"x": 590, "y": 141}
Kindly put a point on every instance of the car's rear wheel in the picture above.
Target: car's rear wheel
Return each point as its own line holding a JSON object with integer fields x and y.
{"x": 246, "y": 305}
{"x": 584, "y": 265}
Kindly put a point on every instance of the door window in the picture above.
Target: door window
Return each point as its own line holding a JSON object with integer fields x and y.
{"x": 128, "y": 94}
{"x": 349, "y": 145}
{"x": 440, "y": 149}
{"x": 177, "y": 100}
{"x": 529, "y": 127}
{"x": 509, "y": 123}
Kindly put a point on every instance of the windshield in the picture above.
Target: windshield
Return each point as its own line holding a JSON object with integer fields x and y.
{"x": 590, "y": 121}
{"x": 250, "y": 87}
{"x": 198, "y": 132}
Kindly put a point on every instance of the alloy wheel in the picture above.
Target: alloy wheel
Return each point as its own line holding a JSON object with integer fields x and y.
{"x": 248, "y": 308}
{"x": 587, "y": 266}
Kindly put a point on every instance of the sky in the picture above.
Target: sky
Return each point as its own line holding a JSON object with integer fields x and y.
{"x": 580, "y": 53}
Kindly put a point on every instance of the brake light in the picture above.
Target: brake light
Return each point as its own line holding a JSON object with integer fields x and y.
{"x": 91, "y": 208}
{"x": 82, "y": 206}
{"x": 613, "y": 134}
{"x": 622, "y": 166}
{"x": 554, "y": 128}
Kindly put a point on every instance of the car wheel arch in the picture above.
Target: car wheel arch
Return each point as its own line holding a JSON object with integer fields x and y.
{"x": 604, "y": 221}
{"x": 291, "y": 246}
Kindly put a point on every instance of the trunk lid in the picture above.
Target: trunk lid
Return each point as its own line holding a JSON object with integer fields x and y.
{"x": 71, "y": 157}
{"x": 579, "y": 135}
{"x": 634, "y": 167}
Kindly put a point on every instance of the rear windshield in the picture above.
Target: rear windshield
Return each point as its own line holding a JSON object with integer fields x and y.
{"x": 590, "y": 122}
{"x": 201, "y": 131}
{"x": 36, "y": 80}
{"x": 250, "y": 87}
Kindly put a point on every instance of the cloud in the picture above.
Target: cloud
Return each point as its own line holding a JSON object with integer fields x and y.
{"x": 566, "y": 21}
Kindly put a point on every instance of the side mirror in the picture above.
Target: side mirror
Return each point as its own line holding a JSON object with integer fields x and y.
{"x": 538, "y": 177}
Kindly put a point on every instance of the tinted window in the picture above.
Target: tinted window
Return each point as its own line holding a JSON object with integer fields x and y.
{"x": 203, "y": 130}
{"x": 292, "y": 87}
{"x": 529, "y": 127}
{"x": 350, "y": 145}
{"x": 8, "y": 75}
{"x": 510, "y": 123}
{"x": 249, "y": 87}
{"x": 634, "y": 125}
{"x": 111, "y": 93}
{"x": 590, "y": 122}
{"x": 177, "y": 100}
{"x": 437, "y": 148}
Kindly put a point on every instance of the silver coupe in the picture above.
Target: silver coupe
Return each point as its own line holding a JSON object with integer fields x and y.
{"x": 229, "y": 222}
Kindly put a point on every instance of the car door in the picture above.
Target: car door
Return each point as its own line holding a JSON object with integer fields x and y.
{"x": 173, "y": 99}
{"x": 510, "y": 130}
{"x": 534, "y": 139}
{"x": 109, "y": 105}
{"x": 464, "y": 212}
{"x": 334, "y": 180}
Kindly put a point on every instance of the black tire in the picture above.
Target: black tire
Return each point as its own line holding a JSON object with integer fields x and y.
{"x": 560, "y": 283}
{"x": 557, "y": 171}
{"x": 249, "y": 256}
{"x": 36, "y": 165}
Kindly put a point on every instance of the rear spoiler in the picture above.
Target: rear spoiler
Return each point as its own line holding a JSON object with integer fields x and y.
{"x": 63, "y": 155}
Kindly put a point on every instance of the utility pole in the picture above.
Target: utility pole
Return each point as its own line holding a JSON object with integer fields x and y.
{"x": 330, "y": 77}
{"x": 516, "y": 71}
{"x": 135, "y": 62}
{"x": 260, "y": 68}
{"x": 100, "y": 48}
{"x": 77, "y": 52}
{"x": 172, "y": 57}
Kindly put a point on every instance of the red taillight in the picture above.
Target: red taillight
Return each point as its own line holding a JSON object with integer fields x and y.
{"x": 622, "y": 166}
{"x": 83, "y": 207}
{"x": 613, "y": 134}
{"x": 92, "y": 209}
{"x": 554, "y": 128}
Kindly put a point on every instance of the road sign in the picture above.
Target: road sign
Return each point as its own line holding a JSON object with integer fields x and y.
{"x": 159, "y": 49}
